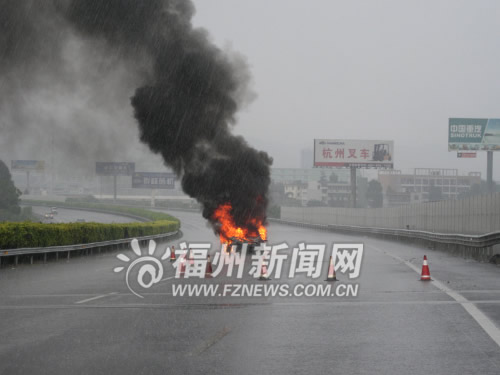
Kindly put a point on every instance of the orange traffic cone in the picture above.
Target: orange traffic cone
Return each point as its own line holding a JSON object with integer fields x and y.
{"x": 426, "y": 274}
{"x": 263, "y": 271}
{"x": 182, "y": 262}
{"x": 172, "y": 254}
{"x": 191, "y": 259}
{"x": 331, "y": 271}
{"x": 208, "y": 271}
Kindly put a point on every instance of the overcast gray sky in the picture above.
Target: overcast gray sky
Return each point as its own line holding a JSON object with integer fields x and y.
{"x": 363, "y": 69}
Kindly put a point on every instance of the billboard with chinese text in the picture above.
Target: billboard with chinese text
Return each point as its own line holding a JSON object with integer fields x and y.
{"x": 353, "y": 153}
{"x": 473, "y": 134}
{"x": 153, "y": 180}
{"x": 27, "y": 165}
{"x": 114, "y": 169}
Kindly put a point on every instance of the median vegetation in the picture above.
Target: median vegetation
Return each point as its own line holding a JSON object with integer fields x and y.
{"x": 108, "y": 208}
{"x": 28, "y": 234}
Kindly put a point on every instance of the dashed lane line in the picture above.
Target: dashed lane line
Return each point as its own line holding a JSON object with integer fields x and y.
{"x": 486, "y": 324}
{"x": 94, "y": 298}
{"x": 351, "y": 303}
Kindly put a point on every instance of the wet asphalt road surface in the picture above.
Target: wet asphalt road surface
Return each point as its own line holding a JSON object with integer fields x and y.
{"x": 79, "y": 317}
{"x": 65, "y": 215}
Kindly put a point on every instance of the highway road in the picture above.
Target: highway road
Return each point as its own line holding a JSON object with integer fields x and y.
{"x": 79, "y": 317}
{"x": 65, "y": 215}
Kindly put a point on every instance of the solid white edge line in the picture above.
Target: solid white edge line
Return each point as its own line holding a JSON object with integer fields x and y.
{"x": 486, "y": 324}
{"x": 94, "y": 298}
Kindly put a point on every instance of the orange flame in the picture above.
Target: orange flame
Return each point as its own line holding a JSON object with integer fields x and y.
{"x": 228, "y": 230}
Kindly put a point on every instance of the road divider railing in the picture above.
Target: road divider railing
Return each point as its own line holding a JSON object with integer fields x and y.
{"x": 39, "y": 239}
{"x": 79, "y": 249}
{"x": 479, "y": 246}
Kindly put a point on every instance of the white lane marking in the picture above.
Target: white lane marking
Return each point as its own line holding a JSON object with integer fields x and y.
{"x": 492, "y": 291}
{"x": 486, "y": 324}
{"x": 18, "y": 296}
{"x": 167, "y": 278}
{"x": 210, "y": 342}
{"x": 94, "y": 298}
{"x": 245, "y": 304}
{"x": 47, "y": 295}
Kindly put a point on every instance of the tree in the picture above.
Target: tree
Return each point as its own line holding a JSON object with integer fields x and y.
{"x": 374, "y": 195}
{"x": 9, "y": 194}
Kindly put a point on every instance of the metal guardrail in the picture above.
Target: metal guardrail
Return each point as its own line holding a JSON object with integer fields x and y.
{"x": 69, "y": 248}
{"x": 468, "y": 240}
{"x": 83, "y": 247}
{"x": 176, "y": 209}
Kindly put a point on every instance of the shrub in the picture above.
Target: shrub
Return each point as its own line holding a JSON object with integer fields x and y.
{"x": 28, "y": 234}
{"x": 18, "y": 235}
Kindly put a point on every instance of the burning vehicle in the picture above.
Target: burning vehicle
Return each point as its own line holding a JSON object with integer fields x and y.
{"x": 252, "y": 233}
{"x": 237, "y": 243}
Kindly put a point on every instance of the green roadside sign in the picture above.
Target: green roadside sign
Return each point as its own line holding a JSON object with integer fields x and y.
{"x": 474, "y": 134}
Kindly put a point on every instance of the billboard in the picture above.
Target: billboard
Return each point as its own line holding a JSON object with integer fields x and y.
{"x": 353, "y": 153}
{"x": 466, "y": 154}
{"x": 153, "y": 180}
{"x": 114, "y": 169}
{"x": 27, "y": 165}
{"x": 473, "y": 134}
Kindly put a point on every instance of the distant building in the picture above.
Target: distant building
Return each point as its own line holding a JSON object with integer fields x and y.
{"x": 337, "y": 194}
{"x": 402, "y": 188}
{"x": 296, "y": 190}
{"x": 314, "y": 192}
{"x": 331, "y": 187}
{"x": 306, "y": 158}
{"x": 282, "y": 175}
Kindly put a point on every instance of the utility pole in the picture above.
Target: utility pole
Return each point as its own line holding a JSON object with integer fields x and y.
{"x": 489, "y": 171}
{"x": 27, "y": 182}
{"x": 353, "y": 186}
{"x": 52, "y": 167}
{"x": 114, "y": 188}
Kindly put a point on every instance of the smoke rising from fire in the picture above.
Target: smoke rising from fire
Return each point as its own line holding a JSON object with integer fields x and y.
{"x": 188, "y": 97}
{"x": 185, "y": 109}
{"x": 64, "y": 98}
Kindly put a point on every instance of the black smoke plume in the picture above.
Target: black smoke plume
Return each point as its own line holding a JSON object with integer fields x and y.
{"x": 63, "y": 98}
{"x": 186, "y": 108}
